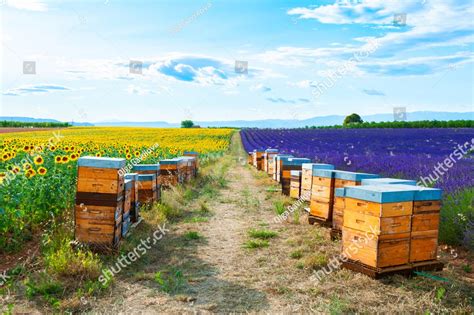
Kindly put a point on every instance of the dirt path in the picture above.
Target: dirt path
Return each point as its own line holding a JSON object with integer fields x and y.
{"x": 221, "y": 276}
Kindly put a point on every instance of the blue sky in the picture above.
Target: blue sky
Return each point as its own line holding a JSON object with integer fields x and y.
{"x": 305, "y": 58}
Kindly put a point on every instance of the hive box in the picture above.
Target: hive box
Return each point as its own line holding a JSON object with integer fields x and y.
{"x": 194, "y": 154}
{"x": 268, "y": 160}
{"x": 277, "y": 160}
{"x": 338, "y": 208}
{"x": 189, "y": 170}
{"x": 288, "y": 165}
{"x": 322, "y": 194}
{"x": 147, "y": 190}
{"x": 250, "y": 158}
{"x": 307, "y": 177}
{"x": 134, "y": 204}
{"x": 171, "y": 172}
{"x": 384, "y": 218}
{"x": 258, "y": 159}
{"x": 295, "y": 185}
{"x": 99, "y": 201}
{"x": 127, "y": 203}
{"x": 345, "y": 178}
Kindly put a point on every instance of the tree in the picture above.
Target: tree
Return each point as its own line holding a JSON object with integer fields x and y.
{"x": 187, "y": 124}
{"x": 352, "y": 119}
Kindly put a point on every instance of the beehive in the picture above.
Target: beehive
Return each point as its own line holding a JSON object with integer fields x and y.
{"x": 171, "y": 172}
{"x": 268, "y": 160}
{"x": 288, "y": 165}
{"x": 127, "y": 205}
{"x": 190, "y": 168}
{"x": 322, "y": 194}
{"x": 250, "y": 158}
{"x": 344, "y": 178}
{"x": 277, "y": 165}
{"x": 338, "y": 208}
{"x": 295, "y": 185}
{"x": 196, "y": 159}
{"x": 134, "y": 204}
{"x": 99, "y": 201}
{"x": 258, "y": 159}
{"x": 381, "y": 221}
{"x": 147, "y": 190}
{"x": 307, "y": 177}
{"x": 153, "y": 169}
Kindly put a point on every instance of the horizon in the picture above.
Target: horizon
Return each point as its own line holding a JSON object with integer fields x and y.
{"x": 296, "y": 60}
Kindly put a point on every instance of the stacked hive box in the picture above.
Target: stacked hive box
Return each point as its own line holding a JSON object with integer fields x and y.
{"x": 343, "y": 179}
{"x": 147, "y": 190}
{"x": 189, "y": 169}
{"x": 99, "y": 201}
{"x": 380, "y": 221}
{"x": 150, "y": 169}
{"x": 295, "y": 185}
{"x": 134, "y": 204}
{"x": 170, "y": 172}
{"x": 268, "y": 160}
{"x": 307, "y": 177}
{"x": 258, "y": 159}
{"x": 322, "y": 192}
{"x": 195, "y": 155}
{"x": 127, "y": 205}
{"x": 277, "y": 160}
{"x": 250, "y": 158}
{"x": 288, "y": 165}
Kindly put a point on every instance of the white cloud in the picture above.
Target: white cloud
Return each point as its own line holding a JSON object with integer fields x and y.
{"x": 261, "y": 88}
{"x": 31, "y": 5}
{"x": 35, "y": 89}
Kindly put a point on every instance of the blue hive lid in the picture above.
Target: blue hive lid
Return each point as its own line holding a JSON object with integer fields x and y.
{"x": 191, "y": 152}
{"x": 353, "y": 176}
{"x": 132, "y": 176}
{"x": 101, "y": 162}
{"x": 315, "y": 166}
{"x": 424, "y": 193}
{"x": 128, "y": 184}
{"x": 295, "y": 161}
{"x": 146, "y": 177}
{"x": 271, "y": 150}
{"x": 146, "y": 167}
{"x": 340, "y": 192}
{"x": 388, "y": 181}
{"x": 324, "y": 173}
{"x": 382, "y": 193}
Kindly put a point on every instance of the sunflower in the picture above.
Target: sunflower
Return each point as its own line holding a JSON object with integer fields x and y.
{"x": 5, "y": 156}
{"x": 42, "y": 171}
{"x": 57, "y": 159}
{"x": 30, "y": 173}
{"x": 98, "y": 154}
{"x": 129, "y": 156}
{"x": 27, "y": 166}
{"x": 65, "y": 159}
{"x": 38, "y": 160}
{"x": 73, "y": 157}
{"x": 15, "y": 170}
{"x": 52, "y": 148}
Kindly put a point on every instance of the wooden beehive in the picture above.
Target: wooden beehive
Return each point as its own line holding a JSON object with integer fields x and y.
{"x": 277, "y": 160}
{"x": 307, "y": 178}
{"x": 134, "y": 204}
{"x": 99, "y": 201}
{"x": 382, "y": 221}
{"x": 151, "y": 169}
{"x": 147, "y": 190}
{"x": 258, "y": 159}
{"x": 190, "y": 168}
{"x": 195, "y": 155}
{"x": 170, "y": 172}
{"x": 288, "y": 165}
{"x": 338, "y": 209}
{"x": 250, "y": 158}
{"x": 295, "y": 184}
{"x": 268, "y": 160}
{"x": 344, "y": 178}
{"x": 322, "y": 194}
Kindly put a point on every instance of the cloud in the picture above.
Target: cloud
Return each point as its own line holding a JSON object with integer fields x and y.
{"x": 35, "y": 89}
{"x": 261, "y": 88}
{"x": 373, "y": 92}
{"x": 137, "y": 90}
{"x": 31, "y": 5}
{"x": 287, "y": 101}
{"x": 303, "y": 84}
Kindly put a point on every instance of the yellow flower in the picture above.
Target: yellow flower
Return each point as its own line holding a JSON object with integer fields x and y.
{"x": 42, "y": 171}
{"x": 64, "y": 159}
{"x": 27, "y": 166}
{"x": 38, "y": 160}
{"x": 30, "y": 173}
{"x": 58, "y": 159}
{"x": 74, "y": 157}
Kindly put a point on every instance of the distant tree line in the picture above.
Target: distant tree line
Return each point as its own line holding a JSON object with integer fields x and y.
{"x": 20, "y": 124}
{"x": 402, "y": 124}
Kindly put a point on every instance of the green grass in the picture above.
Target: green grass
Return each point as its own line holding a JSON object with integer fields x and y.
{"x": 262, "y": 234}
{"x": 253, "y": 244}
{"x": 192, "y": 235}
{"x": 279, "y": 207}
{"x": 456, "y": 212}
{"x": 297, "y": 254}
{"x": 197, "y": 219}
{"x": 170, "y": 282}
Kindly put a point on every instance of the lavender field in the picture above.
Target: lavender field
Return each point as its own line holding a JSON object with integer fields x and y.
{"x": 404, "y": 153}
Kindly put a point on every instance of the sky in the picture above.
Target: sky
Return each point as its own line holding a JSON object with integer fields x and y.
{"x": 138, "y": 60}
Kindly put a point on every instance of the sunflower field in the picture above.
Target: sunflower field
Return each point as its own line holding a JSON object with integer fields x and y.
{"x": 38, "y": 169}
